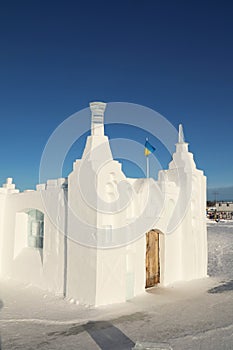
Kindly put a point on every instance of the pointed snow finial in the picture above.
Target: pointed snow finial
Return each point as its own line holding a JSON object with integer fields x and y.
{"x": 181, "y": 134}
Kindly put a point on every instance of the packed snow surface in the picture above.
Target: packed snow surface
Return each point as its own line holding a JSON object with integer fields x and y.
{"x": 193, "y": 315}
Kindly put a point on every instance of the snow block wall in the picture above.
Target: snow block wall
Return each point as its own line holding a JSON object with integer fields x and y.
{"x": 32, "y": 246}
{"x": 77, "y": 237}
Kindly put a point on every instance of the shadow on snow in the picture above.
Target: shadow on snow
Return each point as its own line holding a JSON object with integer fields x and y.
{"x": 104, "y": 333}
{"x": 227, "y": 286}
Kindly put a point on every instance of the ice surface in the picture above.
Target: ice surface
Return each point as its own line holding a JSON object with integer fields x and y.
{"x": 192, "y": 315}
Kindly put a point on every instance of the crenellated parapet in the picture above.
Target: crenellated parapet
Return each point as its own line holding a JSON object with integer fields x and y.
{"x": 8, "y": 187}
{"x": 53, "y": 184}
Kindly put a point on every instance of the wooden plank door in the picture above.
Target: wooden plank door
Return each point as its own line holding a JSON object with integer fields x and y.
{"x": 152, "y": 258}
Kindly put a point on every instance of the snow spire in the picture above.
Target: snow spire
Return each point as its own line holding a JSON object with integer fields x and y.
{"x": 97, "y": 118}
{"x": 181, "y": 134}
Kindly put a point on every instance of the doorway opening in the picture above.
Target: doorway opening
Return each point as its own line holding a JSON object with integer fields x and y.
{"x": 152, "y": 258}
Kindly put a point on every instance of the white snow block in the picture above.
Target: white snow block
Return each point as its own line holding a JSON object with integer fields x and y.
{"x": 151, "y": 346}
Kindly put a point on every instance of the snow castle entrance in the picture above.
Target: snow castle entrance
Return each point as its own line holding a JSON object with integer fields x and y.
{"x": 152, "y": 258}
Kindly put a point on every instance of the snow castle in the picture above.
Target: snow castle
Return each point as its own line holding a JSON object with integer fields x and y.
{"x": 107, "y": 240}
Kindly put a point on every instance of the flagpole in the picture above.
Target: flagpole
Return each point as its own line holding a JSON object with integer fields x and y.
{"x": 148, "y": 150}
{"x": 147, "y": 163}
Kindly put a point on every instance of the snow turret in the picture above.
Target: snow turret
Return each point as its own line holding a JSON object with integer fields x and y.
{"x": 97, "y": 118}
{"x": 97, "y": 145}
{"x": 181, "y": 146}
{"x": 182, "y": 158}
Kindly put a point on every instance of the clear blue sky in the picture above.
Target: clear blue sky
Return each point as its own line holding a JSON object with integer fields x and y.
{"x": 173, "y": 56}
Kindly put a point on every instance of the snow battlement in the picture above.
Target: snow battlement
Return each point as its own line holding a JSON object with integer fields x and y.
{"x": 8, "y": 187}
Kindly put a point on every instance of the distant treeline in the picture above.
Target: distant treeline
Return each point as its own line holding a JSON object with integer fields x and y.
{"x": 212, "y": 203}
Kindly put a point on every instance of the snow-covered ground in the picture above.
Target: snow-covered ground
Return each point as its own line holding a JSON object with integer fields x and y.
{"x": 195, "y": 315}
